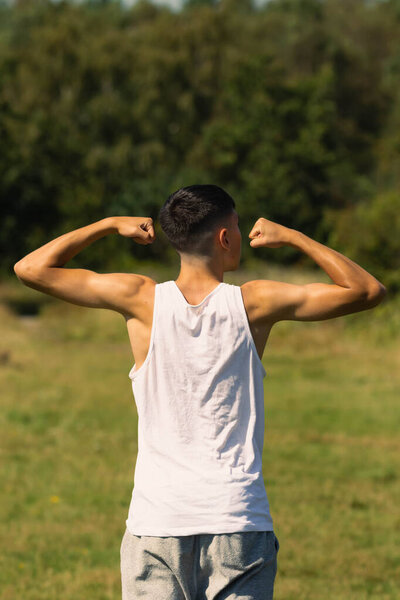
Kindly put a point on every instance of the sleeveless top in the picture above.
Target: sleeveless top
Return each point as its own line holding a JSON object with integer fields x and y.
{"x": 200, "y": 403}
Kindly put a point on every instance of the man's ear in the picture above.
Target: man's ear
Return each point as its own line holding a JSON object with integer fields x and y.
{"x": 223, "y": 237}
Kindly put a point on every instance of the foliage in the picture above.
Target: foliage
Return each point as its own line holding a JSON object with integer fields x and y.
{"x": 370, "y": 233}
{"x": 106, "y": 109}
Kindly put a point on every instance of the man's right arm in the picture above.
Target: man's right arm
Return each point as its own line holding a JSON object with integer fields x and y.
{"x": 353, "y": 288}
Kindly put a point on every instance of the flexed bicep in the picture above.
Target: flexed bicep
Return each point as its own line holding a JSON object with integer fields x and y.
{"x": 274, "y": 301}
{"x": 317, "y": 302}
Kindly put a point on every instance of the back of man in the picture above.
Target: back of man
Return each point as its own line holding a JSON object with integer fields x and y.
{"x": 200, "y": 401}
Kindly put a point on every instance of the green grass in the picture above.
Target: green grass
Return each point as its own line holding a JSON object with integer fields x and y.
{"x": 68, "y": 429}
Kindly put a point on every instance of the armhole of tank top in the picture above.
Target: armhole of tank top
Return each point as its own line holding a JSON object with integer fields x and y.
{"x": 134, "y": 374}
{"x": 245, "y": 319}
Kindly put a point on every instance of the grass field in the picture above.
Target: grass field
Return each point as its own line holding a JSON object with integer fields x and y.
{"x": 68, "y": 433}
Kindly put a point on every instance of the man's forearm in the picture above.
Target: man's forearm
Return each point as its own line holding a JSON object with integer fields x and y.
{"x": 60, "y": 250}
{"x": 341, "y": 270}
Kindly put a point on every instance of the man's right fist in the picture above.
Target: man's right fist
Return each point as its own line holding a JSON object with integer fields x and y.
{"x": 268, "y": 234}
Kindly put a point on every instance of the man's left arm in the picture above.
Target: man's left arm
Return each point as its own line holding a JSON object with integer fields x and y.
{"x": 43, "y": 269}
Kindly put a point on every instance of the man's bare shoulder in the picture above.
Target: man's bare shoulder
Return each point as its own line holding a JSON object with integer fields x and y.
{"x": 140, "y": 294}
{"x": 133, "y": 284}
{"x": 256, "y": 295}
{"x": 139, "y": 282}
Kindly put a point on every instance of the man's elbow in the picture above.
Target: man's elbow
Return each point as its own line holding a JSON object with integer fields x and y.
{"x": 19, "y": 268}
{"x": 376, "y": 294}
{"x": 24, "y": 271}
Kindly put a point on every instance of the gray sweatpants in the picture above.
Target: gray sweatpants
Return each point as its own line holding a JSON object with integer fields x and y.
{"x": 204, "y": 566}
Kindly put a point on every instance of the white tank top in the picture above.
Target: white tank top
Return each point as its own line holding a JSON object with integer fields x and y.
{"x": 200, "y": 403}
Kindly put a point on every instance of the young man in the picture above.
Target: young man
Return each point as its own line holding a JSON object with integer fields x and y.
{"x": 199, "y": 525}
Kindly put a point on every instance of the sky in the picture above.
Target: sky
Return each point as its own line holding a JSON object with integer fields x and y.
{"x": 176, "y": 4}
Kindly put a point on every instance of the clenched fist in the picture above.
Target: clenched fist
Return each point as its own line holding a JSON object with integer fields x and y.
{"x": 268, "y": 234}
{"x": 140, "y": 229}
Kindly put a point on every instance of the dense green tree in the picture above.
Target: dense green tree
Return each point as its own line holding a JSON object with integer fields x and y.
{"x": 369, "y": 231}
{"x": 292, "y": 106}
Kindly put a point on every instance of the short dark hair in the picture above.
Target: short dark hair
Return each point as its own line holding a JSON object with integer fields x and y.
{"x": 191, "y": 215}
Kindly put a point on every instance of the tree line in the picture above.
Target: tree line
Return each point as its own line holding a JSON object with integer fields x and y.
{"x": 292, "y": 107}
